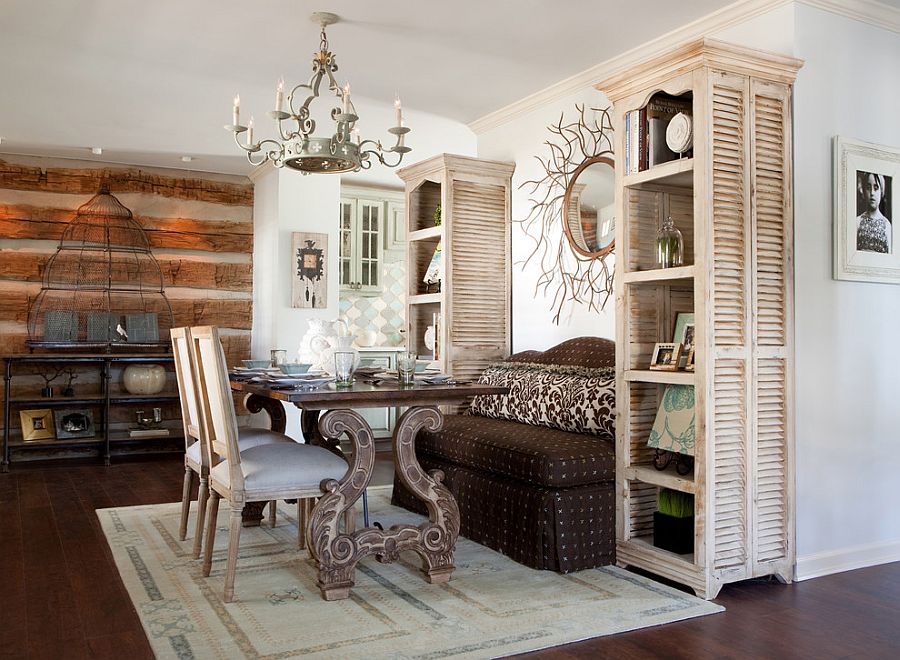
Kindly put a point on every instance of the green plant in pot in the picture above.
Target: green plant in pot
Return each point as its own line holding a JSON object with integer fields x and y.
{"x": 673, "y": 522}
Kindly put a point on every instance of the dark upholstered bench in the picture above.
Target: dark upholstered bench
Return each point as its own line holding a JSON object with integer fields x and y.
{"x": 540, "y": 495}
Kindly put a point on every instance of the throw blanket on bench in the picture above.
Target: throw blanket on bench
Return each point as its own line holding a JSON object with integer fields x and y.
{"x": 568, "y": 398}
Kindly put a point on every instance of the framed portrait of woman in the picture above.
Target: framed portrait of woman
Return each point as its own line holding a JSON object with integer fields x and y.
{"x": 866, "y": 232}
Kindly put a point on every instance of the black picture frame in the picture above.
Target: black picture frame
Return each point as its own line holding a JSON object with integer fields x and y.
{"x": 74, "y": 423}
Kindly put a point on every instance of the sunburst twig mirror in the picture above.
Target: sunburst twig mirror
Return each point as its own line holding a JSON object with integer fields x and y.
{"x": 572, "y": 222}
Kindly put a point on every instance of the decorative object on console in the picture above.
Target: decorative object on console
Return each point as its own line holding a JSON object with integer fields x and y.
{"x": 74, "y": 424}
{"x": 37, "y": 424}
{"x": 309, "y": 283}
{"x": 674, "y": 430}
{"x": 665, "y": 356}
{"x": 864, "y": 217}
{"x": 669, "y": 245}
{"x": 575, "y": 192}
{"x": 297, "y": 147}
{"x": 144, "y": 379}
{"x": 103, "y": 270}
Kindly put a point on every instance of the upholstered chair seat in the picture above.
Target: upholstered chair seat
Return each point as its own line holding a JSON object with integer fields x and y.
{"x": 281, "y": 466}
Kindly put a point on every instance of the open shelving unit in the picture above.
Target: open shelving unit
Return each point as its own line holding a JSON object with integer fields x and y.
{"x": 110, "y": 404}
{"x": 732, "y": 203}
{"x": 474, "y": 303}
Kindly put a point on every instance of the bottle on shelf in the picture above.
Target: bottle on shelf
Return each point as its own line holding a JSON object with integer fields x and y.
{"x": 669, "y": 245}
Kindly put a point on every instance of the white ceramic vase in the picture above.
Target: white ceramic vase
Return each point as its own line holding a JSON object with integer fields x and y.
{"x": 143, "y": 379}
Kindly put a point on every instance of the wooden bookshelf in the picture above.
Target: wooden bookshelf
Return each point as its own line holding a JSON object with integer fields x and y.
{"x": 732, "y": 203}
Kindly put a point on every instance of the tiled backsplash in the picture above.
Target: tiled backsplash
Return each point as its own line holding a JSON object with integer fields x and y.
{"x": 385, "y": 313}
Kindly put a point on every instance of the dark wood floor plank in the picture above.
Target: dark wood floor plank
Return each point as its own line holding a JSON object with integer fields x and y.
{"x": 62, "y": 597}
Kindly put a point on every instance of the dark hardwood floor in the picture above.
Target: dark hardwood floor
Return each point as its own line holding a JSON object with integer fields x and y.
{"x": 61, "y": 596}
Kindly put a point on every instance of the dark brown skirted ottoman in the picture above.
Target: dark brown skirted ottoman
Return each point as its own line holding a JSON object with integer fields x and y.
{"x": 534, "y": 472}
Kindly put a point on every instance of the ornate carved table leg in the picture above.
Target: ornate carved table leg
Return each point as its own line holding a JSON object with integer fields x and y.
{"x": 309, "y": 425}
{"x": 434, "y": 540}
{"x": 274, "y": 409}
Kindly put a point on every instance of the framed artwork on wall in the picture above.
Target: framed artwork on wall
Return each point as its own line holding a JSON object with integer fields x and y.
{"x": 866, "y": 236}
{"x": 309, "y": 281}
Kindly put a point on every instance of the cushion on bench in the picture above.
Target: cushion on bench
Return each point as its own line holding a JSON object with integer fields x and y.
{"x": 533, "y": 454}
{"x": 568, "y": 398}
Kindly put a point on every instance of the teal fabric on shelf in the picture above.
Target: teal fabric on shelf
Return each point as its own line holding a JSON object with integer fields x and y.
{"x": 674, "y": 428}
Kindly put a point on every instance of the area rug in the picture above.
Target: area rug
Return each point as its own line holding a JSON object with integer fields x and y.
{"x": 491, "y": 607}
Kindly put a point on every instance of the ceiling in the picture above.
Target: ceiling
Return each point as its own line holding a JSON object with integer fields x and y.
{"x": 150, "y": 82}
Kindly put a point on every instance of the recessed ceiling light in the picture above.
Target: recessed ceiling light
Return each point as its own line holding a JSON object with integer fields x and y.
{"x": 187, "y": 159}
{"x": 96, "y": 151}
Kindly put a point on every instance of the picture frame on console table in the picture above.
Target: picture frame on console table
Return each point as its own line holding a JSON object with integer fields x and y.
{"x": 71, "y": 423}
{"x": 866, "y": 236}
{"x": 37, "y": 424}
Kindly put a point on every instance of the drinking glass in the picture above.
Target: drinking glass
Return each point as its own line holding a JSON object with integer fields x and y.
{"x": 343, "y": 368}
{"x": 277, "y": 356}
{"x": 406, "y": 368}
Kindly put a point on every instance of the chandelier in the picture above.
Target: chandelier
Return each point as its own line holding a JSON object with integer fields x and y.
{"x": 297, "y": 146}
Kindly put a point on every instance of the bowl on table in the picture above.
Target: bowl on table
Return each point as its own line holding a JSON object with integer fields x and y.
{"x": 294, "y": 368}
{"x": 422, "y": 365}
{"x": 256, "y": 364}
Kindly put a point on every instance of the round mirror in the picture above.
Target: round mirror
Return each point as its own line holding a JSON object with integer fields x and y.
{"x": 589, "y": 207}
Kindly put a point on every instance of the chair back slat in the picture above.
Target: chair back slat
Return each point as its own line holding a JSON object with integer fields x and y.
{"x": 218, "y": 419}
{"x": 187, "y": 389}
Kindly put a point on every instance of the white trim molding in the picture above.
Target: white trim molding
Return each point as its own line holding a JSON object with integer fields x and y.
{"x": 846, "y": 559}
{"x": 867, "y": 11}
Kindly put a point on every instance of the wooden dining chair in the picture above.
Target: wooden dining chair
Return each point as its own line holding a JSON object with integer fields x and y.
{"x": 197, "y": 460}
{"x": 262, "y": 473}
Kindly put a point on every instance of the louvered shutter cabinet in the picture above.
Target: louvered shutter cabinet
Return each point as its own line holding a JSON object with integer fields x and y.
{"x": 731, "y": 199}
{"x": 474, "y": 303}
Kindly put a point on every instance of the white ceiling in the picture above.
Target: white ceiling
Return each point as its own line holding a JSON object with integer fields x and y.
{"x": 152, "y": 81}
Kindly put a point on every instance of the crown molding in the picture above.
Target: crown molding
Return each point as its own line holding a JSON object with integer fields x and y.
{"x": 867, "y": 11}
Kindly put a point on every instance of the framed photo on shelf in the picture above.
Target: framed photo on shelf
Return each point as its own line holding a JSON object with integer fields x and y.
{"x": 689, "y": 360}
{"x": 71, "y": 423}
{"x": 684, "y": 335}
{"x": 865, "y": 237}
{"x": 665, "y": 356}
{"x": 37, "y": 424}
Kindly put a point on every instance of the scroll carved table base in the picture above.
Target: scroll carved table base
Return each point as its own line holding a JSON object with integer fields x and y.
{"x": 336, "y": 552}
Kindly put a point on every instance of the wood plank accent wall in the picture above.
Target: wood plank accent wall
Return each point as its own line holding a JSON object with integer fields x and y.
{"x": 200, "y": 228}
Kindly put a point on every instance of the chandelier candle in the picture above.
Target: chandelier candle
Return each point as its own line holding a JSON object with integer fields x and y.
{"x": 279, "y": 95}
{"x": 236, "y": 111}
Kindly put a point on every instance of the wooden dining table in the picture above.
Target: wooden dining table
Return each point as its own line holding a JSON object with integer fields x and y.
{"x": 335, "y": 550}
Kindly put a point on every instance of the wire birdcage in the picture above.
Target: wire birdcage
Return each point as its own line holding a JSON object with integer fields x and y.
{"x": 102, "y": 288}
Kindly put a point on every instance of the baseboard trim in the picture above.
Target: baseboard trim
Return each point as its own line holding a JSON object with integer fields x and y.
{"x": 847, "y": 559}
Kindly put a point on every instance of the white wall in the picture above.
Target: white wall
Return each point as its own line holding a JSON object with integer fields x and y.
{"x": 848, "y": 380}
{"x": 519, "y": 141}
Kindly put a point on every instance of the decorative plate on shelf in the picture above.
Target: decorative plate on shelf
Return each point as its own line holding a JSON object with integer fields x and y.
{"x": 680, "y": 133}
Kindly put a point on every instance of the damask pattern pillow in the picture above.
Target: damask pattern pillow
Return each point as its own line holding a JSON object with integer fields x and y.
{"x": 573, "y": 399}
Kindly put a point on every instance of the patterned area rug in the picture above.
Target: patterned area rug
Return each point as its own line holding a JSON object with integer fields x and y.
{"x": 491, "y": 607}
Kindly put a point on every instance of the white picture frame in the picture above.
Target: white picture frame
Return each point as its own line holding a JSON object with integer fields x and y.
{"x": 866, "y": 241}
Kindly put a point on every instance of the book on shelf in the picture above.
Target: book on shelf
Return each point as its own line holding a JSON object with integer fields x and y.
{"x": 660, "y": 110}
{"x": 148, "y": 433}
